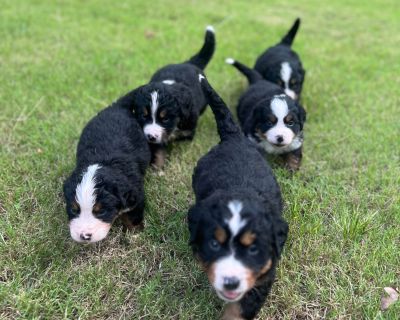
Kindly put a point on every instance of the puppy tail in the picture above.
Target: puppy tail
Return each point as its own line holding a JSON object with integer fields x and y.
{"x": 289, "y": 37}
{"x": 252, "y": 75}
{"x": 226, "y": 126}
{"x": 203, "y": 57}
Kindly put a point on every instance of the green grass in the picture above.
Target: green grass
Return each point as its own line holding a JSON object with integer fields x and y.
{"x": 61, "y": 62}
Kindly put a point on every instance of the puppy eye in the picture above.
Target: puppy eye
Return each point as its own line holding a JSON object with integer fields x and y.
{"x": 269, "y": 123}
{"x": 280, "y": 83}
{"x": 214, "y": 245}
{"x": 290, "y": 123}
{"x": 293, "y": 81}
{"x": 74, "y": 208}
{"x": 253, "y": 250}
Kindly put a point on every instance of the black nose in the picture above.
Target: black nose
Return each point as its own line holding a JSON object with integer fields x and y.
{"x": 85, "y": 236}
{"x": 151, "y": 138}
{"x": 279, "y": 139}
{"x": 231, "y": 283}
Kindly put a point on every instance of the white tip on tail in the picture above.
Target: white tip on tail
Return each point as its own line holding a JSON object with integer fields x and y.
{"x": 229, "y": 61}
{"x": 211, "y": 29}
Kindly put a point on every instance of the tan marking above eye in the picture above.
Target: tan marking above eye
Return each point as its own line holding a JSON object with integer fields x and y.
{"x": 97, "y": 207}
{"x": 272, "y": 118}
{"x": 247, "y": 238}
{"x": 163, "y": 113}
{"x": 145, "y": 112}
{"x": 220, "y": 235}
{"x": 293, "y": 81}
{"x": 288, "y": 118}
{"x": 75, "y": 206}
{"x": 280, "y": 82}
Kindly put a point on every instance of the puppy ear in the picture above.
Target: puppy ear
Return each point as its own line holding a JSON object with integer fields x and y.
{"x": 280, "y": 229}
{"x": 132, "y": 100}
{"x": 302, "y": 116}
{"x": 183, "y": 99}
{"x": 194, "y": 217}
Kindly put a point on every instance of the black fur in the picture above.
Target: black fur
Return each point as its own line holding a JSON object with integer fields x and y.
{"x": 254, "y": 111}
{"x": 269, "y": 63}
{"x": 113, "y": 140}
{"x": 235, "y": 170}
{"x": 180, "y": 103}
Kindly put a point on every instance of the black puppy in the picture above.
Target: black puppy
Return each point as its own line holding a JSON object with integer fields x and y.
{"x": 236, "y": 228}
{"x": 112, "y": 157}
{"x": 281, "y": 65}
{"x": 169, "y": 106}
{"x": 270, "y": 118}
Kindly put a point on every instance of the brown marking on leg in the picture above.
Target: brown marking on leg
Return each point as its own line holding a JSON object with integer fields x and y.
{"x": 292, "y": 160}
{"x": 220, "y": 235}
{"x": 126, "y": 221}
{"x": 247, "y": 238}
{"x": 232, "y": 311}
{"x": 159, "y": 157}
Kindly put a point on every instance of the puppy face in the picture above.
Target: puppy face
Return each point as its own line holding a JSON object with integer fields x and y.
{"x": 157, "y": 109}
{"x": 236, "y": 244}
{"x": 92, "y": 204}
{"x": 279, "y": 122}
{"x": 289, "y": 76}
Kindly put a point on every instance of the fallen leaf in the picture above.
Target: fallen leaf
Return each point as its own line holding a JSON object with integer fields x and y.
{"x": 391, "y": 296}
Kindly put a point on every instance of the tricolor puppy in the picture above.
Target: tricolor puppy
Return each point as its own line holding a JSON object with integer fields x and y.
{"x": 236, "y": 228}
{"x": 270, "y": 118}
{"x": 169, "y": 106}
{"x": 281, "y": 65}
{"x": 107, "y": 182}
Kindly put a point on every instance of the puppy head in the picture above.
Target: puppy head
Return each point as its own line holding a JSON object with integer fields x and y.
{"x": 237, "y": 243}
{"x": 93, "y": 201}
{"x": 289, "y": 75}
{"x": 278, "y": 121}
{"x": 158, "y": 108}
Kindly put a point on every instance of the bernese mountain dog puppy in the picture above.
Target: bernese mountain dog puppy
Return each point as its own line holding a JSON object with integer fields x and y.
{"x": 237, "y": 231}
{"x": 107, "y": 182}
{"x": 169, "y": 107}
{"x": 270, "y": 118}
{"x": 281, "y": 65}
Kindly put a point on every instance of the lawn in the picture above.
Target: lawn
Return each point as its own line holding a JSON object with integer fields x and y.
{"x": 63, "y": 61}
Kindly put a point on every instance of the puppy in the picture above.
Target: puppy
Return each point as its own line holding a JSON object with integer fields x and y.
{"x": 236, "y": 228}
{"x": 107, "y": 182}
{"x": 281, "y": 65}
{"x": 270, "y": 118}
{"x": 169, "y": 106}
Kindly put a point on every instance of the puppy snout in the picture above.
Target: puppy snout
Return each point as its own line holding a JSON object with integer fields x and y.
{"x": 85, "y": 236}
{"x": 279, "y": 139}
{"x": 151, "y": 137}
{"x": 231, "y": 283}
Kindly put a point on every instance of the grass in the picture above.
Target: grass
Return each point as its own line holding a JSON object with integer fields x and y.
{"x": 63, "y": 61}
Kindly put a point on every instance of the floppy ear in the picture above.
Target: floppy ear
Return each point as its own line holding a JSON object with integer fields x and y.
{"x": 183, "y": 99}
{"x": 280, "y": 229}
{"x": 194, "y": 217}
{"x": 302, "y": 115}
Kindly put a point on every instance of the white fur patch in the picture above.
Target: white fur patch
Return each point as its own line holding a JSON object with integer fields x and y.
{"x": 230, "y": 267}
{"x": 229, "y": 61}
{"x": 272, "y": 149}
{"x": 211, "y": 29}
{"x": 280, "y": 109}
{"x": 235, "y": 222}
{"x": 201, "y": 77}
{"x": 286, "y": 73}
{"x": 86, "y": 225}
{"x": 154, "y": 130}
{"x": 169, "y": 81}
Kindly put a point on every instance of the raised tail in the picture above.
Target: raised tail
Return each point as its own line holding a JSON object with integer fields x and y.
{"x": 289, "y": 37}
{"x": 252, "y": 75}
{"x": 226, "y": 126}
{"x": 203, "y": 57}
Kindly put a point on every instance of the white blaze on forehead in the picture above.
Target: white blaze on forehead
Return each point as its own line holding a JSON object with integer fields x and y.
{"x": 279, "y": 107}
{"x": 86, "y": 223}
{"x": 154, "y": 104}
{"x": 169, "y": 81}
{"x": 85, "y": 193}
{"x": 235, "y": 222}
{"x": 154, "y": 130}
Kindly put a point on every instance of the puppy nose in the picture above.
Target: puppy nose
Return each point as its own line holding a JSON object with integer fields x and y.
{"x": 231, "y": 283}
{"x": 85, "y": 236}
{"x": 151, "y": 138}
{"x": 279, "y": 139}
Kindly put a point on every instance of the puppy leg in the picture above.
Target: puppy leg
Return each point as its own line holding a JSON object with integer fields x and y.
{"x": 232, "y": 311}
{"x": 293, "y": 159}
{"x": 158, "y": 156}
{"x": 133, "y": 220}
